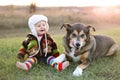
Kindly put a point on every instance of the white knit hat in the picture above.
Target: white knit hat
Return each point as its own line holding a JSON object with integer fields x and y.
{"x": 34, "y": 19}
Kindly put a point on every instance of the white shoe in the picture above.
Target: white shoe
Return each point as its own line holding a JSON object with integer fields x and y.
{"x": 60, "y": 58}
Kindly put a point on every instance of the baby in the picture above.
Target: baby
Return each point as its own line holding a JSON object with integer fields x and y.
{"x": 39, "y": 46}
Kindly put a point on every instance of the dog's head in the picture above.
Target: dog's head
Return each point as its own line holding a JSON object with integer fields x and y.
{"x": 77, "y": 35}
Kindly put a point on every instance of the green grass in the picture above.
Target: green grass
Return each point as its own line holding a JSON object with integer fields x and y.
{"x": 101, "y": 69}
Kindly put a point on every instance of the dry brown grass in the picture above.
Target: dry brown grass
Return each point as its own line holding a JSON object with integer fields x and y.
{"x": 15, "y": 18}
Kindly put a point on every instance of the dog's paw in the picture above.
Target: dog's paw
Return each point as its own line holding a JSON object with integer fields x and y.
{"x": 78, "y": 71}
{"x": 60, "y": 58}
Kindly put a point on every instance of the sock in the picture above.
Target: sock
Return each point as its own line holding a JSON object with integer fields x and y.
{"x": 58, "y": 66}
{"x": 30, "y": 62}
{"x": 60, "y": 58}
{"x": 27, "y": 64}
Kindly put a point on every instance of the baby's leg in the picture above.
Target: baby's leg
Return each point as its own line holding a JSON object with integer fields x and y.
{"x": 60, "y": 58}
{"x": 27, "y": 64}
{"x": 59, "y": 66}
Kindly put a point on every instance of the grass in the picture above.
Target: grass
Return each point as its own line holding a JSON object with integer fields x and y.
{"x": 101, "y": 69}
{"x": 13, "y": 26}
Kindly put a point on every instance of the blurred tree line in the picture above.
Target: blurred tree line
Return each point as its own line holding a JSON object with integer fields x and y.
{"x": 32, "y": 7}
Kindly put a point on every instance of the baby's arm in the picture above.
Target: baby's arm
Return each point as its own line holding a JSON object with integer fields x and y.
{"x": 22, "y": 51}
{"x": 55, "y": 51}
{"x": 29, "y": 46}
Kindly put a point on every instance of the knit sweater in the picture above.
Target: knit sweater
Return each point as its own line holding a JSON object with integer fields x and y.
{"x": 30, "y": 47}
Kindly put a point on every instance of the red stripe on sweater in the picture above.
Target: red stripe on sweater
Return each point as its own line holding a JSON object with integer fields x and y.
{"x": 56, "y": 54}
{"x": 22, "y": 50}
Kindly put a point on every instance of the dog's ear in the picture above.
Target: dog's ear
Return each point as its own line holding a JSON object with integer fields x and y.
{"x": 90, "y": 29}
{"x": 66, "y": 25}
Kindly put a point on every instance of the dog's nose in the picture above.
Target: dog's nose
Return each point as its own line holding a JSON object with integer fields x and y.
{"x": 77, "y": 44}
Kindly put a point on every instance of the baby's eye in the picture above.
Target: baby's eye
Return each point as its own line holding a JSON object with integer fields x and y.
{"x": 43, "y": 24}
{"x": 39, "y": 26}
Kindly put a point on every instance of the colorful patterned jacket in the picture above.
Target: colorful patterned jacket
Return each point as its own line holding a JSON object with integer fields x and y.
{"x": 30, "y": 47}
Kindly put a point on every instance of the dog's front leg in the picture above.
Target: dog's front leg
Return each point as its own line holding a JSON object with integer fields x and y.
{"x": 85, "y": 63}
{"x": 79, "y": 69}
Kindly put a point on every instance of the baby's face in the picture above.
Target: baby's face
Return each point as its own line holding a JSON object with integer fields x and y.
{"x": 41, "y": 27}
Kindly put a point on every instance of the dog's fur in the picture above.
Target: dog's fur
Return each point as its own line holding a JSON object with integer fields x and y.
{"x": 81, "y": 46}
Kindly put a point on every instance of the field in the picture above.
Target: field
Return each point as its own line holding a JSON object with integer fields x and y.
{"x": 13, "y": 29}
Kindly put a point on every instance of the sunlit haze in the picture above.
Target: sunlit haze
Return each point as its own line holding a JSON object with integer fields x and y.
{"x": 58, "y": 3}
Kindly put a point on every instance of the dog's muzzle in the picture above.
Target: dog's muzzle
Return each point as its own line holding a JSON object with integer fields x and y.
{"x": 77, "y": 46}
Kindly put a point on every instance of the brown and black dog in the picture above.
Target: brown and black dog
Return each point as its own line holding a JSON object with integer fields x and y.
{"x": 81, "y": 46}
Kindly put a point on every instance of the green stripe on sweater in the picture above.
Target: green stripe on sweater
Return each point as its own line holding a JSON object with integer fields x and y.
{"x": 55, "y": 51}
{"x": 32, "y": 43}
{"x": 22, "y": 47}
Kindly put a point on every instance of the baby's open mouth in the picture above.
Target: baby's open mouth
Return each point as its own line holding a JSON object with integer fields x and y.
{"x": 41, "y": 30}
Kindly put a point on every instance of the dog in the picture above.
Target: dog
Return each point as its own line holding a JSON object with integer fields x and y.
{"x": 81, "y": 46}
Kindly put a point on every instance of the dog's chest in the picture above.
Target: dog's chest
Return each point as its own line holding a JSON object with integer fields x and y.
{"x": 75, "y": 58}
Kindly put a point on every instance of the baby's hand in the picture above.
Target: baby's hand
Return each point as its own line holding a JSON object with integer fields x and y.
{"x": 20, "y": 56}
{"x": 48, "y": 51}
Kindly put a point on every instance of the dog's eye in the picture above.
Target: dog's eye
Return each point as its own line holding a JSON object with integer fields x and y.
{"x": 82, "y": 35}
{"x": 74, "y": 35}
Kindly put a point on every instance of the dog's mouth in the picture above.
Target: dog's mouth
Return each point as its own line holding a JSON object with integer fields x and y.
{"x": 77, "y": 49}
{"x": 76, "y": 46}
